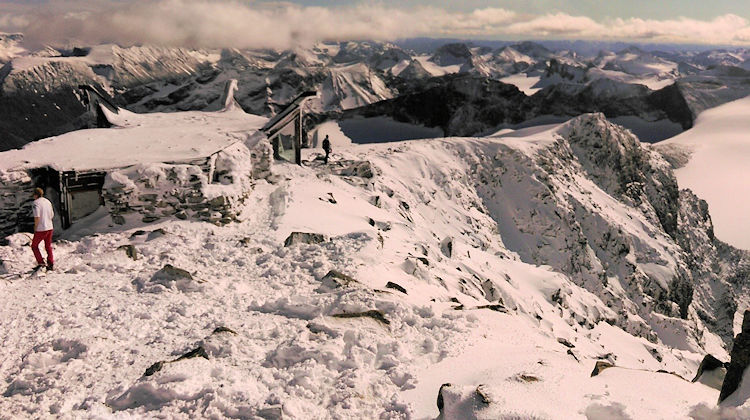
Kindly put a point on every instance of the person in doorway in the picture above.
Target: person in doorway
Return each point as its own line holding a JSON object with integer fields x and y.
{"x": 326, "y": 148}
{"x": 43, "y": 214}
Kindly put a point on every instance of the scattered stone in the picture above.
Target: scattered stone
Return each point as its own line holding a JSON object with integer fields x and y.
{"x": 130, "y": 251}
{"x": 137, "y": 233}
{"x": 371, "y": 221}
{"x": 271, "y": 413}
{"x": 423, "y": 260}
{"x": 336, "y": 279}
{"x": 740, "y": 359}
{"x": 709, "y": 363}
{"x": 392, "y": 285}
{"x": 482, "y": 395}
{"x": 570, "y": 352}
{"x": 218, "y": 202}
{"x": 376, "y": 201}
{"x": 150, "y": 218}
{"x": 304, "y": 238}
{"x": 446, "y": 246}
{"x": 196, "y": 352}
{"x": 181, "y": 215}
{"x": 600, "y": 366}
{"x": 118, "y": 219}
{"x": 565, "y": 342}
{"x": 373, "y": 313}
{"x": 158, "y": 233}
{"x": 522, "y": 377}
{"x": 154, "y": 368}
{"x": 171, "y": 272}
{"x": 170, "y": 277}
{"x": 222, "y": 329}
{"x": 494, "y": 307}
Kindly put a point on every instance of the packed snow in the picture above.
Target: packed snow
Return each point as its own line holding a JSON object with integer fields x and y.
{"x": 411, "y": 282}
{"x": 713, "y": 161}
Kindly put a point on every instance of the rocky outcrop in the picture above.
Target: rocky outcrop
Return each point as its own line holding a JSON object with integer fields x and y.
{"x": 740, "y": 360}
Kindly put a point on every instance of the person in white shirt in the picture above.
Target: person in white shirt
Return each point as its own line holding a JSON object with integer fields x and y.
{"x": 43, "y": 214}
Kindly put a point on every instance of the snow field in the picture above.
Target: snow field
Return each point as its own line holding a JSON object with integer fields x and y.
{"x": 77, "y": 342}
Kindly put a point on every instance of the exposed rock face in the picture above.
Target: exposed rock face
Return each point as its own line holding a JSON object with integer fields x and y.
{"x": 600, "y": 366}
{"x": 740, "y": 360}
{"x": 711, "y": 372}
{"x": 468, "y": 104}
{"x": 555, "y": 222}
{"x": 304, "y": 238}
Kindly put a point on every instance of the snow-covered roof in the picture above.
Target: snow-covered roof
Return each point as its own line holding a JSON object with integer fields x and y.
{"x": 138, "y": 138}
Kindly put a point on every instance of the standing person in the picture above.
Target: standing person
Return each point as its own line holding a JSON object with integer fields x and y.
{"x": 326, "y": 148}
{"x": 43, "y": 214}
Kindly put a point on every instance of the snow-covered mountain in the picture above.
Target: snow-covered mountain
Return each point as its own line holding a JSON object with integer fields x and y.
{"x": 10, "y": 46}
{"x": 357, "y": 74}
{"x": 492, "y": 273}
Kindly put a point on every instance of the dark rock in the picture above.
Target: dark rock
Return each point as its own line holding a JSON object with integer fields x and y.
{"x": 565, "y": 342}
{"x": 118, "y": 219}
{"x": 373, "y": 313}
{"x": 570, "y": 352}
{"x": 137, "y": 233}
{"x": 218, "y": 202}
{"x": 336, "y": 279}
{"x": 196, "y": 352}
{"x": 600, "y": 366}
{"x": 482, "y": 395}
{"x": 304, "y": 238}
{"x": 446, "y": 247}
{"x": 740, "y": 359}
{"x": 181, "y": 215}
{"x": 158, "y": 233}
{"x": 392, "y": 285}
{"x": 271, "y": 413}
{"x": 440, "y": 401}
{"x": 494, "y": 307}
{"x": 223, "y": 329}
{"x": 147, "y": 197}
{"x": 130, "y": 251}
{"x": 708, "y": 363}
{"x": 169, "y": 272}
{"x": 371, "y": 222}
{"x": 150, "y": 218}
{"x": 154, "y": 368}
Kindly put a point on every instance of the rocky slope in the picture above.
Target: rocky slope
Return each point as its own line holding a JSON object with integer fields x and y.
{"x": 508, "y": 267}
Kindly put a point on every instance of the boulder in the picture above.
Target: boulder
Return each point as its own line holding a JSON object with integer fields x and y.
{"x": 304, "y": 238}
{"x": 600, "y": 366}
{"x": 708, "y": 364}
{"x": 394, "y": 286}
{"x": 740, "y": 359}
{"x": 130, "y": 251}
{"x": 373, "y": 313}
{"x": 336, "y": 279}
{"x": 169, "y": 277}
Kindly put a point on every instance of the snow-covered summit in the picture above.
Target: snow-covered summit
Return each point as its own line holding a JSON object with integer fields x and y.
{"x": 505, "y": 266}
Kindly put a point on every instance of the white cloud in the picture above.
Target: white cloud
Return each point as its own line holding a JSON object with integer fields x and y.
{"x": 253, "y": 24}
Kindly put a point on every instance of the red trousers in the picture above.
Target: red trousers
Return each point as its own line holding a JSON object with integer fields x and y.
{"x": 45, "y": 236}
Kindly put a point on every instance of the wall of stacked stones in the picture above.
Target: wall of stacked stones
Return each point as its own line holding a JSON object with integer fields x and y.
{"x": 15, "y": 201}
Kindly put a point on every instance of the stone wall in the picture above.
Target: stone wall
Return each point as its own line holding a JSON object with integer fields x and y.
{"x": 15, "y": 201}
{"x": 209, "y": 190}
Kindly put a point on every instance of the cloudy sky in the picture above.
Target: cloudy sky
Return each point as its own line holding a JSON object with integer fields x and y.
{"x": 250, "y": 24}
